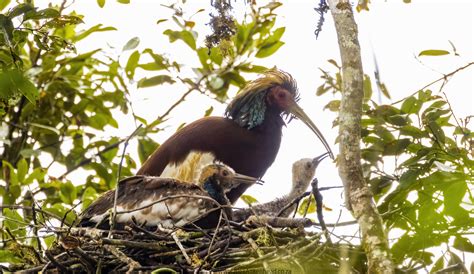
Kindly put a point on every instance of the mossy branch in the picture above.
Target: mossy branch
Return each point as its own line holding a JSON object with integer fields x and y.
{"x": 359, "y": 199}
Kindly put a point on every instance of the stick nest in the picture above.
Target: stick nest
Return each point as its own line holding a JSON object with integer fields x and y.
{"x": 252, "y": 247}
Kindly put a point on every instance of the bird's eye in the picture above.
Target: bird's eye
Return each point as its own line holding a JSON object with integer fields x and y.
{"x": 281, "y": 95}
{"x": 225, "y": 173}
{"x": 308, "y": 165}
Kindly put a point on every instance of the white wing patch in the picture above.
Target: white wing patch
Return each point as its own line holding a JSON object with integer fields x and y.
{"x": 190, "y": 168}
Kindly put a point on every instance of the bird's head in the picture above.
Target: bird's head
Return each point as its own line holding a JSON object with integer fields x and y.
{"x": 304, "y": 170}
{"x": 218, "y": 175}
{"x": 275, "y": 90}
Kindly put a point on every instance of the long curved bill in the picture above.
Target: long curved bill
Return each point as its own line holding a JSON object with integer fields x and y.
{"x": 300, "y": 114}
{"x": 240, "y": 178}
{"x": 321, "y": 157}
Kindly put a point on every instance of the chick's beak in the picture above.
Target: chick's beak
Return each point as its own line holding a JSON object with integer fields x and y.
{"x": 244, "y": 179}
{"x": 298, "y": 112}
{"x": 321, "y": 157}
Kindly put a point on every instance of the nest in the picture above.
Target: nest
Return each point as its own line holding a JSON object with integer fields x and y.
{"x": 259, "y": 245}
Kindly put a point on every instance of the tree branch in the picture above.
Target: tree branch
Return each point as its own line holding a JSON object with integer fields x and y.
{"x": 359, "y": 199}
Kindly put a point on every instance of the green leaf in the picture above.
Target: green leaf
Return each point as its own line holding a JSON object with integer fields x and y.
{"x": 411, "y": 105}
{"x": 333, "y": 106}
{"x": 437, "y": 132}
{"x": 248, "y": 199}
{"x": 124, "y": 1}
{"x": 216, "y": 55}
{"x": 304, "y": 204}
{"x": 268, "y": 50}
{"x": 161, "y": 21}
{"x": 131, "y": 44}
{"x": 42, "y": 14}
{"x": 14, "y": 221}
{"x": 48, "y": 128}
{"x": 22, "y": 170}
{"x": 27, "y": 153}
{"x": 4, "y": 3}
{"x": 132, "y": 64}
{"x": 438, "y": 265}
{"x": 396, "y": 147}
{"x": 146, "y": 146}
{"x": 208, "y": 111}
{"x": 89, "y": 195}
{"x": 252, "y": 68}
{"x": 184, "y": 35}
{"x": 13, "y": 81}
{"x": 96, "y": 28}
{"x": 463, "y": 244}
{"x": 153, "y": 66}
{"x": 19, "y": 10}
{"x": 155, "y": 80}
{"x": 433, "y": 52}
{"x": 8, "y": 256}
{"x": 410, "y": 130}
{"x": 275, "y": 37}
{"x": 68, "y": 193}
{"x": 398, "y": 120}
{"x": 7, "y": 28}
{"x": 101, "y": 3}
{"x": 37, "y": 174}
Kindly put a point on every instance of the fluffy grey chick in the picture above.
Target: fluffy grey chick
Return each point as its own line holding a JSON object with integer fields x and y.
{"x": 303, "y": 172}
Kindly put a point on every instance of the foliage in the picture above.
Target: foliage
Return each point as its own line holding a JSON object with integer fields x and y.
{"x": 56, "y": 105}
{"x": 421, "y": 176}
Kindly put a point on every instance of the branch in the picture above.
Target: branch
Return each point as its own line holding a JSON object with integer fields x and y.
{"x": 359, "y": 199}
{"x": 444, "y": 77}
{"x": 114, "y": 213}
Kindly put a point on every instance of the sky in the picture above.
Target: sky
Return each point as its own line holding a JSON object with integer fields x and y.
{"x": 391, "y": 31}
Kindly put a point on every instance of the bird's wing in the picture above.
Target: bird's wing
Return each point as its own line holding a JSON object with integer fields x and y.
{"x": 217, "y": 135}
{"x": 136, "y": 192}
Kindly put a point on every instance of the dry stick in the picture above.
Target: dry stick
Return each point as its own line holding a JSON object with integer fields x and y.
{"x": 114, "y": 212}
{"x": 88, "y": 261}
{"x": 181, "y": 247}
{"x": 259, "y": 252}
{"x": 132, "y": 264}
{"x": 55, "y": 262}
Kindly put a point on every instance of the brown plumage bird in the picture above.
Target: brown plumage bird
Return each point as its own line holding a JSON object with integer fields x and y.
{"x": 165, "y": 202}
{"x": 247, "y": 139}
{"x": 303, "y": 172}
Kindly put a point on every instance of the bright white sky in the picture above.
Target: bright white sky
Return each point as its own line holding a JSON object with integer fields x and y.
{"x": 392, "y": 31}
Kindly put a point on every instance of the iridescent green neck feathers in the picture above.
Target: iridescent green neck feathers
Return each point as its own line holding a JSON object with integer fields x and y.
{"x": 249, "y": 112}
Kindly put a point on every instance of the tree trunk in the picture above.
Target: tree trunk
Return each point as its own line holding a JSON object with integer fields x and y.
{"x": 359, "y": 199}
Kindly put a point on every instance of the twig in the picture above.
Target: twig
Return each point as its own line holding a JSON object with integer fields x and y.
{"x": 263, "y": 221}
{"x": 259, "y": 252}
{"x": 114, "y": 212}
{"x": 180, "y": 246}
{"x": 445, "y": 76}
{"x": 55, "y": 262}
{"x": 35, "y": 228}
{"x": 294, "y": 201}
{"x": 86, "y": 259}
{"x": 132, "y": 264}
{"x": 89, "y": 160}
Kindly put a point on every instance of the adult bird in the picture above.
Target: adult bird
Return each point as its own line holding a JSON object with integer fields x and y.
{"x": 247, "y": 138}
{"x": 166, "y": 202}
{"x": 303, "y": 172}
